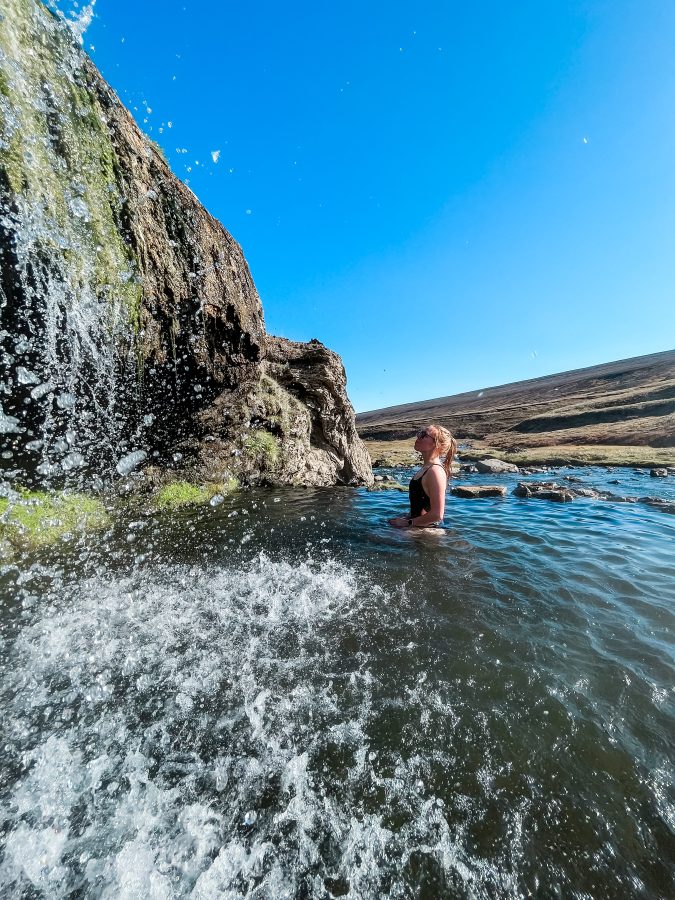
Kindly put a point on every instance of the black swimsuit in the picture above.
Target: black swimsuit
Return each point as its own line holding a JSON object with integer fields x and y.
{"x": 419, "y": 499}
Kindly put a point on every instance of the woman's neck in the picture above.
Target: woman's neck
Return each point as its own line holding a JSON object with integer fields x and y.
{"x": 430, "y": 458}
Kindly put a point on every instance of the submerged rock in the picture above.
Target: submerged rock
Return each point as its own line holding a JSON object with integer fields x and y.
{"x": 659, "y": 473}
{"x": 120, "y": 293}
{"x": 387, "y": 484}
{"x": 664, "y": 505}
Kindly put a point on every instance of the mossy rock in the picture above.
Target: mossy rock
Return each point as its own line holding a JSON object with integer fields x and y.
{"x": 38, "y": 518}
{"x": 388, "y": 484}
{"x": 183, "y": 493}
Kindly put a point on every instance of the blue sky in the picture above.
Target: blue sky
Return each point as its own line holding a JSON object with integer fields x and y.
{"x": 451, "y": 195}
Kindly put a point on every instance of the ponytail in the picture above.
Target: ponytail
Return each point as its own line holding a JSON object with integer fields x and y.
{"x": 445, "y": 444}
{"x": 449, "y": 456}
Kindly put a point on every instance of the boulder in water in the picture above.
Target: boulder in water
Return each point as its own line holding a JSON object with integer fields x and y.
{"x": 479, "y": 490}
{"x": 495, "y": 466}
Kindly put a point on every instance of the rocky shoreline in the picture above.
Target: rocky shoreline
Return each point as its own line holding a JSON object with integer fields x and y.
{"x": 573, "y": 488}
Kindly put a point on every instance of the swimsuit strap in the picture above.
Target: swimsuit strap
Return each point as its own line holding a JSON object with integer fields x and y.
{"x": 426, "y": 470}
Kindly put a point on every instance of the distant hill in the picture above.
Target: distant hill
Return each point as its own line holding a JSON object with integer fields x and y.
{"x": 627, "y": 403}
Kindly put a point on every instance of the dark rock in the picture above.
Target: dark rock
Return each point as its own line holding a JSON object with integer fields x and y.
{"x": 667, "y": 506}
{"x": 479, "y": 490}
{"x": 468, "y": 469}
{"x": 543, "y": 490}
{"x": 659, "y": 473}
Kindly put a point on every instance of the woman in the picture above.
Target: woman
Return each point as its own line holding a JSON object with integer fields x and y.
{"x": 428, "y": 485}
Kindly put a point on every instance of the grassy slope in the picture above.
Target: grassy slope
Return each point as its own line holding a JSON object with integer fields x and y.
{"x": 621, "y": 412}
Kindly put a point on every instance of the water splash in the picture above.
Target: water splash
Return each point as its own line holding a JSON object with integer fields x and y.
{"x": 208, "y": 734}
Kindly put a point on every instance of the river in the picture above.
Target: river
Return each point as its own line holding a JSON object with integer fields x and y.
{"x": 280, "y": 696}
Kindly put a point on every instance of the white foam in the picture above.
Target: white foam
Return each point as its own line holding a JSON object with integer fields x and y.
{"x": 174, "y": 731}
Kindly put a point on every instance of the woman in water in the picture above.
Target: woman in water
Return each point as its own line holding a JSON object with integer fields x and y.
{"x": 428, "y": 485}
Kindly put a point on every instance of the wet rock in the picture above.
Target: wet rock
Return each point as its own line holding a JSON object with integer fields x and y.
{"x": 495, "y": 466}
{"x": 544, "y": 490}
{"x": 388, "y": 484}
{"x": 169, "y": 326}
{"x": 479, "y": 490}
{"x": 468, "y": 469}
{"x": 667, "y": 506}
{"x": 659, "y": 473}
{"x": 591, "y": 493}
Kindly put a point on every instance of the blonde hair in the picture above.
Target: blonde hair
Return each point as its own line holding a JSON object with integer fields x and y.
{"x": 445, "y": 444}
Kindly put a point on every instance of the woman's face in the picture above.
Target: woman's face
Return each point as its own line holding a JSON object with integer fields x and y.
{"x": 424, "y": 440}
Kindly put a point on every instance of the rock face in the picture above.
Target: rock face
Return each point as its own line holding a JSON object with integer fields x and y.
{"x": 128, "y": 316}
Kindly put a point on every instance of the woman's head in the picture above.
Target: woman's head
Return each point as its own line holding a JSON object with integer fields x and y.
{"x": 439, "y": 441}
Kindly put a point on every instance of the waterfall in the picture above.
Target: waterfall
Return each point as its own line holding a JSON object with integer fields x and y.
{"x": 70, "y": 294}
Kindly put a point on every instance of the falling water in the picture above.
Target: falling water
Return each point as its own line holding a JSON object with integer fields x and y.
{"x": 68, "y": 291}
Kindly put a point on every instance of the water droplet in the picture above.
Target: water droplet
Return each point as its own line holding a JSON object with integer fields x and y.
{"x": 8, "y": 424}
{"x": 24, "y": 376}
{"x": 66, "y": 401}
{"x": 72, "y": 461}
{"x": 79, "y": 208}
{"x": 129, "y": 462}
{"x": 216, "y": 500}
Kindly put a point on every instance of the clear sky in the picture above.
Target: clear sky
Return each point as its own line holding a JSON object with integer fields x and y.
{"x": 451, "y": 195}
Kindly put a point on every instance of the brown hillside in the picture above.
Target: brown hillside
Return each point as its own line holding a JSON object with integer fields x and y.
{"x": 627, "y": 403}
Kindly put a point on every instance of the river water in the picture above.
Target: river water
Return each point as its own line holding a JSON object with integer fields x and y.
{"x": 282, "y": 697}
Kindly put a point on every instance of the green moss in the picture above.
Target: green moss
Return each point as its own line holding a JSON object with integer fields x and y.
{"x": 183, "y": 493}
{"x": 38, "y": 518}
{"x": 389, "y": 484}
{"x": 180, "y": 493}
{"x": 262, "y": 447}
{"x": 61, "y": 141}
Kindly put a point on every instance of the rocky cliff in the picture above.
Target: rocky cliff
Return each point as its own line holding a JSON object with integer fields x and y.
{"x": 132, "y": 333}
